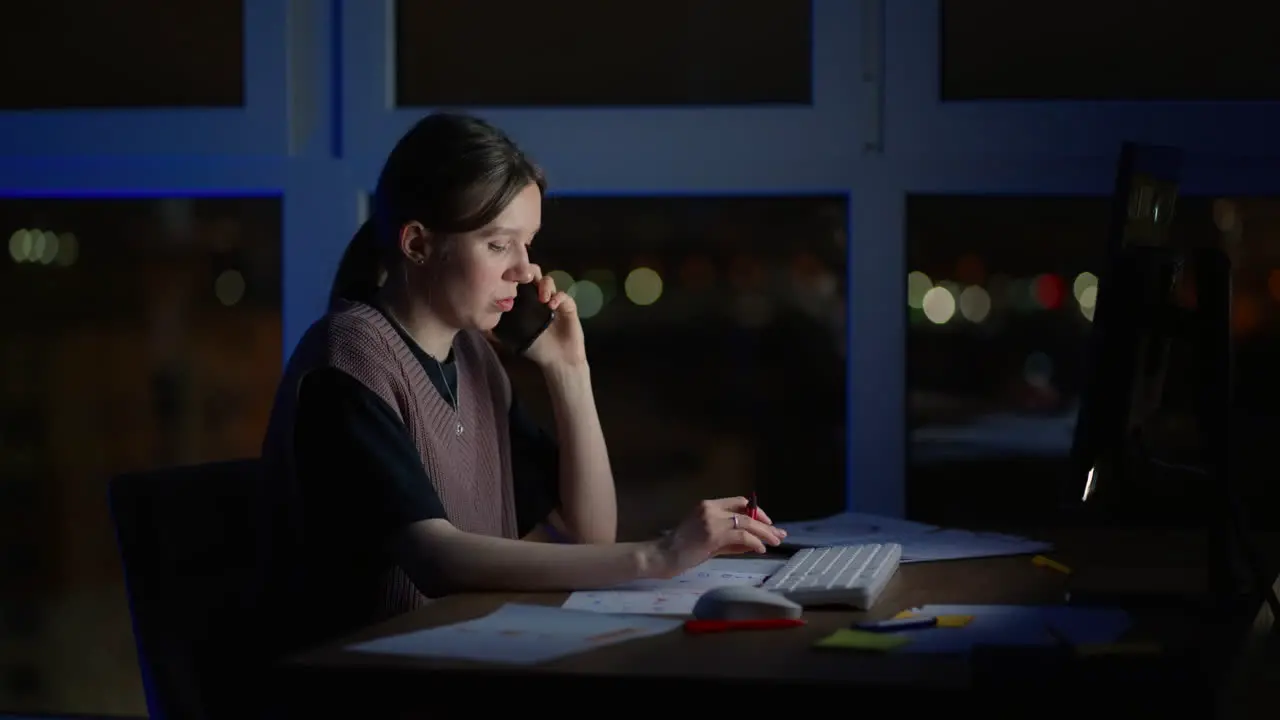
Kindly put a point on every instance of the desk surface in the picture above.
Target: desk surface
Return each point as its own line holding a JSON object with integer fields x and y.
{"x": 1107, "y": 561}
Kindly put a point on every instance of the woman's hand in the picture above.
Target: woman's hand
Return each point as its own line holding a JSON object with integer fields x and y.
{"x": 716, "y": 527}
{"x": 562, "y": 343}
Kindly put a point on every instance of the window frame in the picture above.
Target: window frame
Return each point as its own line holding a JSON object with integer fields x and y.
{"x": 1063, "y": 128}
{"x": 259, "y": 127}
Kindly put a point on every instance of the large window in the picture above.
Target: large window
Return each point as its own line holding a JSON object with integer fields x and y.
{"x": 62, "y": 54}
{"x": 998, "y": 304}
{"x": 716, "y": 331}
{"x": 586, "y": 53}
{"x": 1000, "y": 297}
{"x": 1109, "y": 50}
{"x": 139, "y": 333}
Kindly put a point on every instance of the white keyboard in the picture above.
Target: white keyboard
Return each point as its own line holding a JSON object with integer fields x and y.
{"x": 838, "y": 575}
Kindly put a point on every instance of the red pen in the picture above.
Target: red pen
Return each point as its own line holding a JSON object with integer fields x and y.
{"x": 752, "y": 505}
{"x": 711, "y": 626}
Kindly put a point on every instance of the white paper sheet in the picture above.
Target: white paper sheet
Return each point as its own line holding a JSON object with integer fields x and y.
{"x": 638, "y": 602}
{"x": 920, "y": 542}
{"x": 712, "y": 573}
{"x": 966, "y": 545}
{"x": 850, "y": 529}
{"x": 520, "y": 634}
{"x": 677, "y": 595}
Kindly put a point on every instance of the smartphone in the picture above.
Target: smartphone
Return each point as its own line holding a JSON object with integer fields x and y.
{"x": 525, "y": 321}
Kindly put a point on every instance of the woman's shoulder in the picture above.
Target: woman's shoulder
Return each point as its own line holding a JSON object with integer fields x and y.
{"x": 354, "y": 338}
{"x": 353, "y": 320}
{"x": 351, "y": 327}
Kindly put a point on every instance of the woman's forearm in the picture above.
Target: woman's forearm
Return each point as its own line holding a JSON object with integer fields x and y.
{"x": 442, "y": 559}
{"x": 588, "y": 500}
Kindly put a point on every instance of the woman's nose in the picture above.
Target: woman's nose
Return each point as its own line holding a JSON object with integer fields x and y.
{"x": 520, "y": 273}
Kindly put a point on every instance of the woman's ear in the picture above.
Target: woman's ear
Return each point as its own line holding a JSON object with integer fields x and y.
{"x": 415, "y": 243}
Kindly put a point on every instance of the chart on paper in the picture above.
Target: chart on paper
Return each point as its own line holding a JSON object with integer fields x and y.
{"x": 673, "y": 596}
{"x": 635, "y": 602}
{"x": 716, "y": 572}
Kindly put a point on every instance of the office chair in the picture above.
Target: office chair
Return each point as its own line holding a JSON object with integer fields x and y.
{"x": 190, "y": 540}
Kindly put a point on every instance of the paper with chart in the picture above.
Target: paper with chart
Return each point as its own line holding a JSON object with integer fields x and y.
{"x": 920, "y": 542}
{"x": 677, "y": 595}
{"x": 520, "y": 634}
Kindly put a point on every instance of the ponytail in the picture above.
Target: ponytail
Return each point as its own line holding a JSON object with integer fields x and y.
{"x": 360, "y": 271}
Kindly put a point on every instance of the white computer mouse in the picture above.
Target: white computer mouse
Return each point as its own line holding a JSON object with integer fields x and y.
{"x": 742, "y": 602}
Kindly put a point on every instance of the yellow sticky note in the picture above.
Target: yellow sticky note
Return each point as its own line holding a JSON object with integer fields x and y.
{"x": 946, "y": 621}
{"x": 1042, "y": 561}
{"x": 1120, "y": 648}
{"x": 846, "y": 639}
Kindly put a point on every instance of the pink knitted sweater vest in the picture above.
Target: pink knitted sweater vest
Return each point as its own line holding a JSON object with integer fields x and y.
{"x": 471, "y": 472}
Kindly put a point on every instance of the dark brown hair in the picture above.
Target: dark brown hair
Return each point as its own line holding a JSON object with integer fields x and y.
{"x": 453, "y": 173}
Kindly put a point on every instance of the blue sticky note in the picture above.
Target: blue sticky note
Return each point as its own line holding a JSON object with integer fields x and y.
{"x": 1086, "y": 625}
{"x": 1018, "y": 626}
{"x": 1005, "y": 625}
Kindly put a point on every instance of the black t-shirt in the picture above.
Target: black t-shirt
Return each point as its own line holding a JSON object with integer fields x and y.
{"x": 360, "y": 473}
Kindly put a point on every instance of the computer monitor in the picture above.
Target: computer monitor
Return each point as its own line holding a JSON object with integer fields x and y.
{"x": 1138, "y": 323}
{"x": 1127, "y": 350}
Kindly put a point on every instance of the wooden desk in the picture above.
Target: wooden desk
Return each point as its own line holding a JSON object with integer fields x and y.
{"x": 715, "y": 670}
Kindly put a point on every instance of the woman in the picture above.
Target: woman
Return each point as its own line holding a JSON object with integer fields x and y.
{"x": 408, "y": 468}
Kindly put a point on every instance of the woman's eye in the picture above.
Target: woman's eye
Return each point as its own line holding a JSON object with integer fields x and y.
{"x": 497, "y": 247}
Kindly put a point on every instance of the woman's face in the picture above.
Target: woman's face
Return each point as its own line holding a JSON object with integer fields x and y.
{"x": 483, "y": 267}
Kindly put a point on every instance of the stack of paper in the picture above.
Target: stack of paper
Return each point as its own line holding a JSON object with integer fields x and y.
{"x": 520, "y": 634}
{"x": 920, "y": 542}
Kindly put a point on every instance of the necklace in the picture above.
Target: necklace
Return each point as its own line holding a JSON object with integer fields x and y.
{"x": 457, "y": 409}
{"x": 453, "y": 398}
